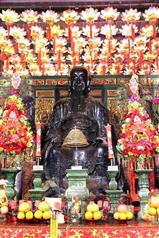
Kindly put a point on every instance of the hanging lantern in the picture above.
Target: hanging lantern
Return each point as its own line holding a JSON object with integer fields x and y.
{"x": 90, "y": 15}
{"x": 30, "y": 17}
{"x": 9, "y": 17}
{"x": 70, "y": 17}
{"x": 50, "y": 18}
{"x": 151, "y": 15}
{"x": 131, "y": 16}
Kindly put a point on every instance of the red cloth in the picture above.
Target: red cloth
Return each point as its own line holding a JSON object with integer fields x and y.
{"x": 92, "y": 231}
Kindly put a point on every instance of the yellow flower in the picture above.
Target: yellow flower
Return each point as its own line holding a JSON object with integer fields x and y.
{"x": 29, "y": 144}
{"x": 151, "y": 14}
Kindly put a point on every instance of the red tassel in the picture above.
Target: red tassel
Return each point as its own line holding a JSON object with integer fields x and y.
{"x": 104, "y": 69}
{"x": 91, "y": 31}
{"x": 154, "y": 30}
{"x": 48, "y": 33}
{"x": 39, "y": 60}
{"x": 150, "y": 46}
{"x": 8, "y": 30}
{"x": 141, "y": 60}
{"x": 7, "y": 64}
{"x": 16, "y": 47}
{"x": 53, "y": 46}
{"x": 43, "y": 70}
{"x": 157, "y": 63}
{"x": 23, "y": 59}
{"x": 78, "y": 57}
{"x": 132, "y": 32}
{"x": 109, "y": 46}
{"x": 59, "y": 60}
{"x": 118, "y": 68}
{"x": 134, "y": 67}
{"x": 73, "y": 48}
{"x": 69, "y": 33}
{"x": 29, "y": 31}
{"x": 128, "y": 59}
{"x": 2, "y": 56}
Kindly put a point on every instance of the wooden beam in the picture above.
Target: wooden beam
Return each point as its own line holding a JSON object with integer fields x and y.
{"x": 44, "y": 4}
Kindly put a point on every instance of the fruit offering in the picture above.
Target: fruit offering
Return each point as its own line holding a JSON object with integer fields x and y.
{"x": 123, "y": 213}
{"x": 43, "y": 211}
{"x": 93, "y": 212}
{"x": 24, "y": 211}
{"x": 153, "y": 204}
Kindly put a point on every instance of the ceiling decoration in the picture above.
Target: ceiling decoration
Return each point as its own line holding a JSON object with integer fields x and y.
{"x": 106, "y": 41}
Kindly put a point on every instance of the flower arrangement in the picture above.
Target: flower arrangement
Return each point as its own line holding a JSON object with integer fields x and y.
{"x": 139, "y": 139}
{"x": 15, "y": 130}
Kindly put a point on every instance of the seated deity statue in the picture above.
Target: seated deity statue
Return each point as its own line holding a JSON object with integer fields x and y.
{"x": 77, "y": 136}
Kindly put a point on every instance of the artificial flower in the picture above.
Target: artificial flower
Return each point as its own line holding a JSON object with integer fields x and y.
{"x": 109, "y": 14}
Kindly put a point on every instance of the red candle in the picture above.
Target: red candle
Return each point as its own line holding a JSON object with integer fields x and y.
{"x": 109, "y": 141}
{"x": 38, "y": 139}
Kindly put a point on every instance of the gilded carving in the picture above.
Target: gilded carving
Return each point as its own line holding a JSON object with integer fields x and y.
{"x": 112, "y": 93}
{"x": 103, "y": 81}
{"x": 112, "y": 104}
{"x": 123, "y": 80}
{"x": 43, "y": 105}
{"x": 38, "y": 82}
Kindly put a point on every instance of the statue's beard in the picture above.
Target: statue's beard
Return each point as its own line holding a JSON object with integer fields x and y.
{"x": 77, "y": 101}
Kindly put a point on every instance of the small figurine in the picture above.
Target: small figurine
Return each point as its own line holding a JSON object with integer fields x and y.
{"x": 3, "y": 196}
{"x": 75, "y": 210}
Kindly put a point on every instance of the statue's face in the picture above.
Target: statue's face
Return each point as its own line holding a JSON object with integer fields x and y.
{"x": 79, "y": 78}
